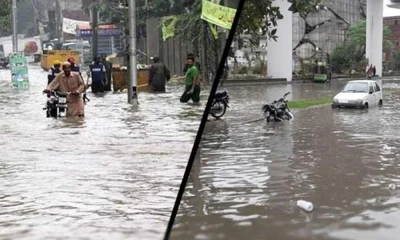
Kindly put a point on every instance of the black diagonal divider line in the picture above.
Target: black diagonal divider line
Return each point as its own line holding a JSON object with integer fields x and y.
{"x": 204, "y": 119}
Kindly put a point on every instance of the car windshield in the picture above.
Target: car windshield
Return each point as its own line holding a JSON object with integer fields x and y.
{"x": 356, "y": 87}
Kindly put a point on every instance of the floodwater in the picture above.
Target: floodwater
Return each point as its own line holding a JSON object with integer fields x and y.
{"x": 249, "y": 174}
{"x": 113, "y": 175}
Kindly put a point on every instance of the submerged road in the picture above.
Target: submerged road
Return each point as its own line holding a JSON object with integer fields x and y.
{"x": 249, "y": 174}
{"x": 113, "y": 175}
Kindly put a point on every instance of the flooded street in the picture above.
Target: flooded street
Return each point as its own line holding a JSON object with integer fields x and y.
{"x": 113, "y": 175}
{"x": 249, "y": 175}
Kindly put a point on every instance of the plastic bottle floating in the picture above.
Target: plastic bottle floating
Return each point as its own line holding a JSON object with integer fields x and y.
{"x": 306, "y": 206}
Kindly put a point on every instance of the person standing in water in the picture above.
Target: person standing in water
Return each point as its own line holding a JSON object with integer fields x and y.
{"x": 192, "y": 84}
{"x": 158, "y": 75}
{"x": 108, "y": 65}
{"x": 99, "y": 76}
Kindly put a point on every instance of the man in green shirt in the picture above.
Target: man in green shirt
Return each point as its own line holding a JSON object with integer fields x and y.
{"x": 192, "y": 83}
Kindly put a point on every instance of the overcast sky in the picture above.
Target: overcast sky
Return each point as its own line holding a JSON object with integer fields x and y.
{"x": 387, "y": 12}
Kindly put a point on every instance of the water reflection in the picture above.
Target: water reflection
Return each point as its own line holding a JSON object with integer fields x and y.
{"x": 250, "y": 174}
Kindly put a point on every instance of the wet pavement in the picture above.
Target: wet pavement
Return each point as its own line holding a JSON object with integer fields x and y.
{"x": 249, "y": 175}
{"x": 113, "y": 175}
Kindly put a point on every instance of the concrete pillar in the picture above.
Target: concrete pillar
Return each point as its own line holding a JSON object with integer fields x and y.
{"x": 375, "y": 34}
{"x": 279, "y": 53}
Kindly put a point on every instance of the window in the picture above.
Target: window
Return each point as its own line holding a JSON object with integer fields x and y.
{"x": 378, "y": 89}
{"x": 371, "y": 88}
{"x": 356, "y": 87}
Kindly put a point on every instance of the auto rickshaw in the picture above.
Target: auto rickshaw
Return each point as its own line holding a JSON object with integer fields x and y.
{"x": 322, "y": 73}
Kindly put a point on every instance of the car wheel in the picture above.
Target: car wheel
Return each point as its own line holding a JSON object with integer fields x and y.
{"x": 380, "y": 103}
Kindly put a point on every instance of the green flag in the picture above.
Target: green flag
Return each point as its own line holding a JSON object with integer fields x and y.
{"x": 218, "y": 15}
{"x": 168, "y": 26}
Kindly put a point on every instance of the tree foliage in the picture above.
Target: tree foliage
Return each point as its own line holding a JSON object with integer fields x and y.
{"x": 260, "y": 18}
{"x": 304, "y": 7}
{"x": 6, "y": 17}
{"x": 358, "y": 33}
{"x": 351, "y": 55}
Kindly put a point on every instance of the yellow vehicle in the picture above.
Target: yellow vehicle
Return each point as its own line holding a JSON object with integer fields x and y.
{"x": 49, "y": 56}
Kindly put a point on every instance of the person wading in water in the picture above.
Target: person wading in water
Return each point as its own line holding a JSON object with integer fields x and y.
{"x": 158, "y": 76}
{"x": 192, "y": 84}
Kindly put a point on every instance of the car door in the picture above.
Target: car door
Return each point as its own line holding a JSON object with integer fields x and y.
{"x": 378, "y": 93}
{"x": 371, "y": 95}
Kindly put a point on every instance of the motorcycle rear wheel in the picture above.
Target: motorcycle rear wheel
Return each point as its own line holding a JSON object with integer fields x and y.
{"x": 267, "y": 116}
{"x": 218, "y": 109}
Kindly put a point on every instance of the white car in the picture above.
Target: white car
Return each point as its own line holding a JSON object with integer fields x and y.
{"x": 360, "y": 94}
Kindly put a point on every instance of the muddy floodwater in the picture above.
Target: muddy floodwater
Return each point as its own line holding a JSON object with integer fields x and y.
{"x": 113, "y": 175}
{"x": 249, "y": 174}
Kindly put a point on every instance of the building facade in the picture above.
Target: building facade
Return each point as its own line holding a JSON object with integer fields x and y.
{"x": 318, "y": 33}
{"x": 393, "y": 23}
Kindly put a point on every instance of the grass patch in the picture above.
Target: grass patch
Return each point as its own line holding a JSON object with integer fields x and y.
{"x": 301, "y": 104}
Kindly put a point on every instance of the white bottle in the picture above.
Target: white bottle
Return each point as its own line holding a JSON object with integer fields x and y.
{"x": 306, "y": 206}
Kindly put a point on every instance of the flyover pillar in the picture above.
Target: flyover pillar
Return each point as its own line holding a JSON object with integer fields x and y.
{"x": 280, "y": 53}
{"x": 374, "y": 37}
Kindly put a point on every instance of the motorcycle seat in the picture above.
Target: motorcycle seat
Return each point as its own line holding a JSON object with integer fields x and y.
{"x": 221, "y": 94}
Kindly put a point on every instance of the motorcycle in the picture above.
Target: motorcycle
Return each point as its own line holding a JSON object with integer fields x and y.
{"x": 278, "y": 110}
{"x": 4, "y": 63}
{"x": 219, "y": 104}
{"x": 56, "y": 104}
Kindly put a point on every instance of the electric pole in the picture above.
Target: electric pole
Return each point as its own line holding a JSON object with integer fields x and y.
{"x": 132, "y": 93}
{"x": 95, "y": 21}
{"x": 147, "y": 23}
{"x": 14, "y": 26}
{"x": 59, "y": 32}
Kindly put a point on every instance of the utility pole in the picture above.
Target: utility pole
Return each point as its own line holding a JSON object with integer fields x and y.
{"x": 147, "y": 23}
{"x": 132, "y": 93}
{"x": 57, "y": 15}
{"x": 95, "y": 21}
{"x": 14, "y": 22}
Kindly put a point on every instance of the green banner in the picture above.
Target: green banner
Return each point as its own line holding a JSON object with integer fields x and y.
{"x": 218, "y": 15}
{"x": 19, "y": 70}
{"x": 168, "y": 26}
{"x": 213, "y": 31}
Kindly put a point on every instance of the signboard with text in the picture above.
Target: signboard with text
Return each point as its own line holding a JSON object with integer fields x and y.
{"x": 103, "y": 30}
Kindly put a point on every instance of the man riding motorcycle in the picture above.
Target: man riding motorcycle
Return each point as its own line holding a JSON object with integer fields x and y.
{"x": 70, "y": 82}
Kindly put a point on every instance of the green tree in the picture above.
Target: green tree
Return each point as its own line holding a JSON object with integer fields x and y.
{"x": 351, "y": 54}
{"x": 358, "y": 33}
{"x": 6, "y": 17}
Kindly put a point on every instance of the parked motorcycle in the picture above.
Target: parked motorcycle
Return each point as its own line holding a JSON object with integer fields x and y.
{"x": 219, "y": 104}
{"x": 278, "y": 110}
{"x": 56, "y": 104}
{"x": 4, "y": 63}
